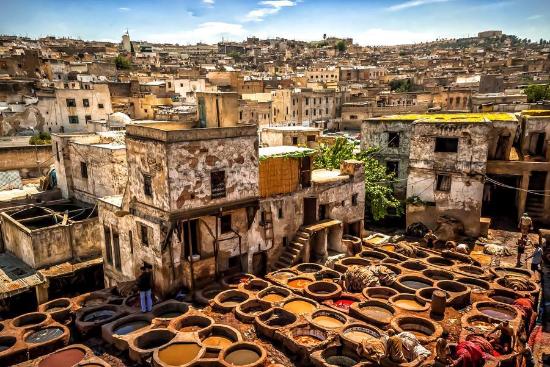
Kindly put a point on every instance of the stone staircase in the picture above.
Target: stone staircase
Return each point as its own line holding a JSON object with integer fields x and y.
{"x": 292, "y": 253}
{"x": 534, "y": 206}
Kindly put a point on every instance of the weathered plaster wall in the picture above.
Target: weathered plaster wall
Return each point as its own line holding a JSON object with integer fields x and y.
{"x": 190, "y": 165}
{"x": 17, "y": 240}
{"x": 30, "y": 161}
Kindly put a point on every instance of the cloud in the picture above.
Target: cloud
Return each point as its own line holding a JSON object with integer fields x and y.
{"x": 208, "y": 2}
{"x": 270, "y": 7}
{"x": 413, "y": 4}
{"x": 210, "y": 32}
{"x": 378, "y": 36}
{"x": 124, "y": 9}
{"x": 535, "y": 17}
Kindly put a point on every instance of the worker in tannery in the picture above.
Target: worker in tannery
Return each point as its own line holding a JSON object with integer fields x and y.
{"x": 525, "y": 224}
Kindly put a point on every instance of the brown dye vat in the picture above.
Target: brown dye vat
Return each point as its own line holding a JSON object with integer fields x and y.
{"x": 218, "y": 341}
{"x": 299, "y": 283}
{"x": 233, "y": 301}
{"x": 170, "y": 314}
{"x": 6, "y": 342}
{"x": 418, "y": 330}
{"x": 328, "y": 322}
{"x": 306, "y": 339}
{"x": 283, "y": 275}
{"x": 273, "y": 297}
{"x": 29, "y": 319}
{"x": 131, "y": 326}
{"x": 44, "y": 335}
{"x": 503, "y": 299}
{"x": 497, "y": 313}
{"x": 94, "y": 301}
{"x": 64, "y": 358}
{"x": 408, "y": 304}
{"x": 242, "y": 357}
{"x": 414, "y": 284}
{"x": 308, "y": 268}
{"x": 178, "y": 354}
{"x": 299, "y": 307}
{"x": 378, "y": 313}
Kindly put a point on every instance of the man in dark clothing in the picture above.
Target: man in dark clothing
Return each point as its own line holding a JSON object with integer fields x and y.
{"x": 144, "y": 283}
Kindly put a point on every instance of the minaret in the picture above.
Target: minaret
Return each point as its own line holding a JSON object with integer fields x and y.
{"x": 126, "y": 44}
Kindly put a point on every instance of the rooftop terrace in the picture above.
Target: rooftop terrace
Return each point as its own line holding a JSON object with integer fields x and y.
{"x": 450, "y": 117}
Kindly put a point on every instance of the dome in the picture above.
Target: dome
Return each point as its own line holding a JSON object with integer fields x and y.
{"x": 118, "y": 118}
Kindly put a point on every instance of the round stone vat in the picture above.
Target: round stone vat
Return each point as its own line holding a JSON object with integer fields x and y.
{"x": 420, "y": 254}
{"x": 408, "y": 302}
{"x": 343, "y": 264}
{"x": 298, "y": 282}
{"x": 344, "y": 302}
{"x": 482, "y": 324}
{"x": 503, "y": 296}
{"x": 322, "y": 290}
{"x": 274, "y": 294}
{"x": 59, "y": 309}
{"x": 329, "y": 275}
{"x": 170, "y": 309}
{"x": 502, "y": 271}
{"x": 411, "y": 283}
{"x": 459, "y": 293}
{"x": 93, "y": 300}
{"x": 255, "y": 285}
{"x": 67, "y": 357}
{"x": 32, "y": 319}
{"x": 436, "y": 274}
{"x": 130, "y": 324}
{"x": 529, "y": 286}
{"x": 308, "y": 268}
{"x": 476, "y": 284}
{"x": 179, "y": 353}
{"x": 383, "y": 293}
{"x": 244, "y": 354}
{"x": 6, "y": 342}
{"x": 336, "y": 356}
{"x": 372, "y": 255}
{"x": 283, "y": 275}
{"x": 413, "y": 265}
{"x": 43, "y": 335}
{"x": 233, "y": 281}
{"x": 424, "y": 329}
{"x": 303, "y": 338}
{"x": 374, "y": 312}
{"x": 191, "y": 323}
{"x": 471, "y": 270}
{"x": 229, "y": 299}
{"x": 142, "y": 345}
{"x": 440, "y": 261}
{"x": 219, "y": 336}
{"x": 496, "y": 310}
{"x": 272, "y": 320}
{"x": 46, "y": 339}
{"x": 328, "y": 319}
{"x": 204, "y": 296}
{"x": 390, "y": 260}
{"x": 388, "y": 247}
{"x": 424, "y": 295}
{"x": 248, "y": 310}
{"x": 354, "y": 334}
{"x": 88, "y": 320}
{"x": 300, "y": 305}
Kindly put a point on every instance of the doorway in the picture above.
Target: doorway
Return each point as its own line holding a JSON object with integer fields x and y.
{"x": 310, "y": 211}
{"x": 500, "y": 203}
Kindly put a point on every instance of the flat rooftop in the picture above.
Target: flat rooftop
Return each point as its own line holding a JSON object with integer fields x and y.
{"x": 292, "y": 128}
{"x": 536, "y": 113}
{"x": 283, "y": 151}
{"x": 449, "y": 117}
{"x": 171, "y": 132}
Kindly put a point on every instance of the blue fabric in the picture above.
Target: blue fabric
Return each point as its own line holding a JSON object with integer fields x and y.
{"x": 146, "y": 301}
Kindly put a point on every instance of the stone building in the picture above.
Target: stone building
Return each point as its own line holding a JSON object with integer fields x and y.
{"x": 190, "y": 199}
{"x": 290, "y": 136}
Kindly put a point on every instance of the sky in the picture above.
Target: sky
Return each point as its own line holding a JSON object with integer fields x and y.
{"x": 368, "y": 22}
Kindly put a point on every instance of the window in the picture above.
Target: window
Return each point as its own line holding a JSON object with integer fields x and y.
{"x": 217, "y": 184}
{"x": 88, "y": 118}
{"x": 294, "y": 140}
{"x": 116, "y": 248}
{"x": 354, "y": 198}
{"x": 234, "y": 262}
{"x": 86, "y": 102}
{"x": 353, "y": 117}
{"x": 147, "y": 185}
{"x": 307, "y": 101}
{"x": 71, "y": 102}
{"x": 323, "y": 209}
{"x": 280, "y": 213}
{"x": 84, "y": 169}
{"x": 240, "y": 115}
{"x": 310, "y": 138}
{"x": 225, "y": 223}
{"x": 393, "y": 140}
{"x": 65, "y": 85}
{"x": 392, "y": 167}
{"x": 108, "y": 249}
{"x": 73, "y": 119}
{"x": 144, "y": 234}
{"x": 443, "y": 183}
{"x": 100, "y": 105}
{"x": 131, "y": 241}
{"x": 326, "y": 111}
{"x": 446, "y": 145}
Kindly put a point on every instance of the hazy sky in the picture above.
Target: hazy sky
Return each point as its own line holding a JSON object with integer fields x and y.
{"x": 369, "y": 22}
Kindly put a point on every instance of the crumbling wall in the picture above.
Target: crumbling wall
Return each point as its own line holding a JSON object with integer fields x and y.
{"x": 30, "y": 160}
{"x": 16, "y": 240}
{"x": 84, "y": 236}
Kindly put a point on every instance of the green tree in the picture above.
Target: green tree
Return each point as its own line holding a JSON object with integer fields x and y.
{"x": 401, "y": 85}
{"x": 537, "y": 92}
{"x": 234, "y": 55}
{"x": 341, "y": 46}
{"x": 41, "y": 138}
{"x": 122, "y": 63}
{"x": 378, "y": 191}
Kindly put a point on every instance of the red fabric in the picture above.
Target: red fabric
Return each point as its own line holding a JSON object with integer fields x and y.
{"x": 484, "y": 344}
{"x": 471, "y": 354}
{"x": 525, "y": 306}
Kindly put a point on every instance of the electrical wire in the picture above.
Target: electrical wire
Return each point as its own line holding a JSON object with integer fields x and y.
{"x": 534, "y": 192}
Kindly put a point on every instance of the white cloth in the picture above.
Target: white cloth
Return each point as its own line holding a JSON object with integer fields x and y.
{"x": 412, "y": 348}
